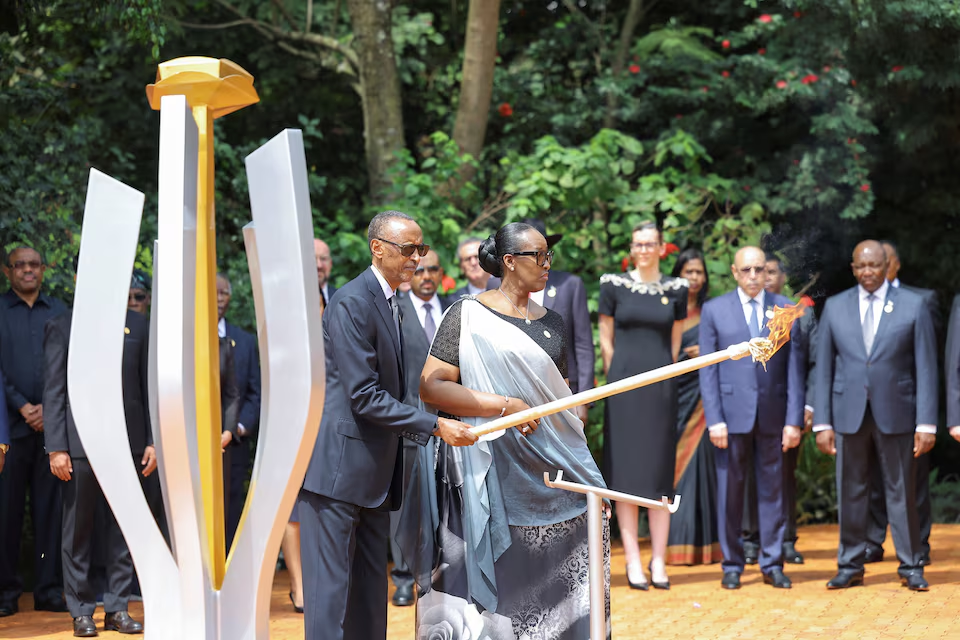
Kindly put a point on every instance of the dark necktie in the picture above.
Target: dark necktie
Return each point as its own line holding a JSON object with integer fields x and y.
{"x": 395, "y": 309}
{"x": 754, "y": 319}
{"x": 429, "y": 324}
{"x": 868, "y": 330}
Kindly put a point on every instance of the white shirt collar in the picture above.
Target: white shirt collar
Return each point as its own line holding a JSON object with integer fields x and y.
{"x": 896, "y": 283}
{"x": 387, "y": 291}
{"x": 222, "y": 328}
{"x": 744, "y": 298}
{"x": 418, "y": 302}
{"x": 474, "y": 291}
{"x": 881, "y": 293}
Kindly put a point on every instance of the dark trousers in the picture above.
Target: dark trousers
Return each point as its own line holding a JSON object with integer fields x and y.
{"x": 239, "y": 467}
{"x": 751, "y": 523}
{"x": 88, "y": 522}
{"x": 401, "y": 574}
{"x": 877, "y": 527}
{"x": 757, "y": 454}
{"x": 343, "y": 550}
{"x": 27, "y": 466}
{"x": 857, "y": 455}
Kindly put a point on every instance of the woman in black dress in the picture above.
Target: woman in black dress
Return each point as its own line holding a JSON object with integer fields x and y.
{"x": 641, "y": 315}
{"x": 694, "y": 538}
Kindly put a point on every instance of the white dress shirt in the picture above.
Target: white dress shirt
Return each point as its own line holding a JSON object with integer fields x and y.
{"x": 222, "y": 333}
{"x": 387, "y": 291}
{"x": 325, "y": 290}
{"x": 878, "y": 304}
{"x": 419, "y": 305}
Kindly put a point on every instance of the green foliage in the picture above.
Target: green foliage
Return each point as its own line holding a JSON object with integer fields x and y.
{"x": 816, "y": 484}
{"x": 944, "y": 498}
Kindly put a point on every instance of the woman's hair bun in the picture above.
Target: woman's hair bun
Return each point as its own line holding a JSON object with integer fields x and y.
{"x": 489, "y": 257}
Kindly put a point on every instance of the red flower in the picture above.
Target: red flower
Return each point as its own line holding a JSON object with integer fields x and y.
{"x": 864, "y": 188}
{"x": 806, "y": 301}
{"x": 725, "y": 44}
{"x": 505, "y": 110}
{"x": 851, "y": 140}
{"x": 625, "y": 264}
{"x": 826, "y": 68}
{"x": 725, "y": 74}
{"x": 809, "y": 79}
{"x": 781, "y": 84}
{"x": 746, "y": 187}
{"x": 679, "y": 115}
{"x": 765, "y": 18}
{"x": 668, "y": 249}
{"x": 634, "y": 68}
{"x": 705, "y": 89}
{"x": 762, "y": 52}
{"x": 448, "y": 283}
{"x": 853, "y": 83}
{"x": 897, "y": 69}
{"x": 796, "y": 162}
{"x": 798, "y": 14}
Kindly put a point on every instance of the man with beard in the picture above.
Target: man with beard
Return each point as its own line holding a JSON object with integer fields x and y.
{"x": 321, "y": 251}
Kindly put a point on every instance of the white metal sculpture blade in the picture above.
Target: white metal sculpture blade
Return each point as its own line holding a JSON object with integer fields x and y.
{"x": 111, "y": 227}
{"x": 287, "y": 300}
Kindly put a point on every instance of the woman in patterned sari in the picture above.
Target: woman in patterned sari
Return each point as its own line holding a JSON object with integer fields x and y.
{"x": 498, "y": 554}
{"x": 694, "y": 538}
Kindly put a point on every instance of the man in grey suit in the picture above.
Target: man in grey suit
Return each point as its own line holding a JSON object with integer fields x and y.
{"x": 876, "y": 404}
{"x": 355, "y": 476}
{"x": 426, "y": 307}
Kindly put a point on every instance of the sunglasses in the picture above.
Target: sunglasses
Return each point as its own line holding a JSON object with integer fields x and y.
{"x": 20, "y": 265}
{"x": 431, "y": 269}
{"x": 139, "y": 297}
{"x": 406, "y": 250}
{"x": 542, "y": 256}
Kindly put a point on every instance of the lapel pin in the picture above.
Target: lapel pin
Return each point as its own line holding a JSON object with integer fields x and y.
{"x": 546, "y": 333}
{"x": 126, "y": 330}
{"x": 665, "y": 300}
{"x": 552, "y": 292}
{"x": 233, "y": 342}
{"x": 888, "y": 308}
{"x": 769, "y": 314}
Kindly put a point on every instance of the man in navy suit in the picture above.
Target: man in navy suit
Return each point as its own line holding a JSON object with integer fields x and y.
{"x": 246, "y": 366}
{"x": 355, "y": 476}
{"x": 877, "y": 391}
{"x": 752, "y": 415}
{"x": 426, "y": 306}
{"x": 469, "y": 260}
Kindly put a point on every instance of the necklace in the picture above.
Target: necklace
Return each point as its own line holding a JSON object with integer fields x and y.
{"x": 525, "y": 317}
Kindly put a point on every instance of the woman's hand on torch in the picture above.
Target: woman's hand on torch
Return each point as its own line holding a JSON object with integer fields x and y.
{"x": 516, "y": 405}
{"x": 791, "y": 437}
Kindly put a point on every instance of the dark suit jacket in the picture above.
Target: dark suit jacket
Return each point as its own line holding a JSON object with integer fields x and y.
{"x": 739, "y": 392}
{"x": 415, "y": 347}
{"x": 4, "y": 422}
{"x": 804, "y": 334}
{"x": 355, "y": 459}
{"x": 899, "y": 378}
{"x": 246, "y": 365}
{"x": 60, "y": 431}
{"x": 566, "y": 295}
{"x": 229, "y": 390}
{"x": 952, "y": 364}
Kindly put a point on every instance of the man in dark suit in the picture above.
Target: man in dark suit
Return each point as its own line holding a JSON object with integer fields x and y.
{"x": 81, "y": 492}
{"x": 355, "y": 476}
{"x": 802, "y": 336}
{"x": 4, "y": 426}
{"x": 752, "y": 415}
{"x": 24, "y": 310}
{"x": 469, "y": 261}
{"x": 321, "y": 251}
{"x": 246, "y": 366}
{"x": 425, "y": 305}
{"x": 138, "y": 298}
{"x": 877, "y": 391}
{"x": 952, "y": 368}
{"x": 877, "y": 526}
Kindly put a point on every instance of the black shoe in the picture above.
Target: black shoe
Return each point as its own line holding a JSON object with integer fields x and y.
{"x": 731, "y": 580}
{"x": 791, "y": 555}
{"x": 403, "y": 596}
{"x": 665, "y": 585}
{"x": 846, "y": 579}
{"x": 296, "y": 609}
{"x": 914, "y": 580}
{"x": 874, "y": 554}
{"x": 925, "y": 560}
{"x": 85, "y": 627}
{"x": 751, "y": 552}
{"x": 55, "y": 604}
{"x": 8, "y": 609}
{"x": 777, "y": 579}
{"x": 121, "y": 622}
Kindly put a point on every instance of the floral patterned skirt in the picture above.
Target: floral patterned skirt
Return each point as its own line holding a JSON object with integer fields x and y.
{"x": 543, "y": 588}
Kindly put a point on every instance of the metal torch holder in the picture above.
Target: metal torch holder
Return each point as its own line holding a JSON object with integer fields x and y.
{"x": 595, "y": 496}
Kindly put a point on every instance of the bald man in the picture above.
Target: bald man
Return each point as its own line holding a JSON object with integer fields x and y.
{"x": 753, "y": 416}
{"x": 876, "y": 405}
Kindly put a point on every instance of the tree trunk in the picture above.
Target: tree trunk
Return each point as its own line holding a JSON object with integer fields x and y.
{"x": 476, "y": 85}
{"x": 379, "y": 89}
{"x": 630, "y": 22}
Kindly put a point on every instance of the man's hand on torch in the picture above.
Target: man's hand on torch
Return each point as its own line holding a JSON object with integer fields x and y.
{"x": 791, "y": 437}
{"x": 454, "y": 433}
{"x": 826, "y": 442}
{"x": 718, "y": 436}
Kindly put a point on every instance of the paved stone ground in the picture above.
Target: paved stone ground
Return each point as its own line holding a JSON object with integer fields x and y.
{"x": 696, "y": 607}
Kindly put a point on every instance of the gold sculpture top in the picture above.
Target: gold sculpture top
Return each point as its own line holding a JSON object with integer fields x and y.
{"x": 222, "y": 85}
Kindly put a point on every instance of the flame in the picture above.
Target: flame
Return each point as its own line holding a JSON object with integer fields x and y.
{"x": 762, "y": 349}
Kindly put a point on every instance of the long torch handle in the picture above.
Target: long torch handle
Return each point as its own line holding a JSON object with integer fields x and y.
{"x": 599, "y": 393}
